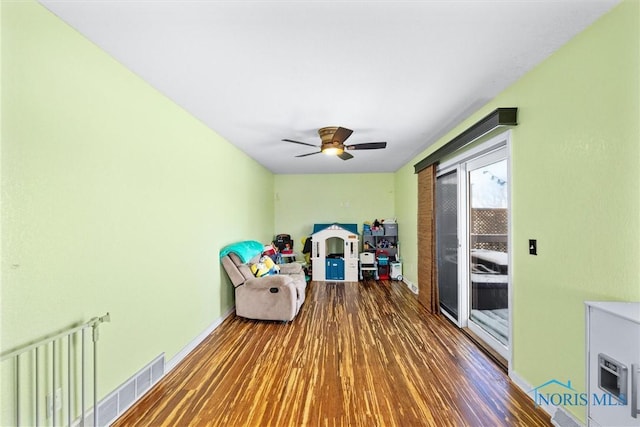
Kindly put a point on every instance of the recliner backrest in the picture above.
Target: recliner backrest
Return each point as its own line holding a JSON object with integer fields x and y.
{"x": 238, "y": 271}
{"x": 234, "y": 273}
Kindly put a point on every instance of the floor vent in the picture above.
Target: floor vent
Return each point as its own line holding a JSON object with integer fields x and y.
{"x": 563, "y": 419}
{"x": 122, "y": 398}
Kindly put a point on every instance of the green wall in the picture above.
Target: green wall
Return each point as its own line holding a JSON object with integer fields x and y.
{"x": 304, "y": 200}
{"x": 113, "y": 200}
{"x": 575, "y": 188}
{"x": 406, "y": 203}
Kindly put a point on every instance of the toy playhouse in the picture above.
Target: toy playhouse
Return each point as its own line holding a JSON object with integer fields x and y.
{"x": 334, "y": 252}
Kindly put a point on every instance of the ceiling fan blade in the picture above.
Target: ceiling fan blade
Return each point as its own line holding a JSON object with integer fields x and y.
{"x": 345, "y": 156}
{"x": 309, "y": 154}
{"x": 298, "y": 142}
{"x": 367, "y": 146}
{"x": 341, "y": 135}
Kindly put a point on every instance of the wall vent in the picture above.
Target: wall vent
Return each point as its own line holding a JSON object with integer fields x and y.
{"x": 122, "y": 398}
{"x": 562, "y": 418}
{"x": 108, "y": 410}
{"x": 412, "y": 287}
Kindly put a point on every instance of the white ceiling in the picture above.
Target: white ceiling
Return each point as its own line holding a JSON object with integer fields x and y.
{"x": 404, "y": 72}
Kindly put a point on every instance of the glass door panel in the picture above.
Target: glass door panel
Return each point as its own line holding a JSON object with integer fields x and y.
{"x": 488, "y": 252}
{"x": 447, "y": 242}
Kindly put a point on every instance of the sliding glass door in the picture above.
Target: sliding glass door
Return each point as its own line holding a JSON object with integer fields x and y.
{"x": 447, "y": 242}
{"x": 488, "y": 258}
{"x": 472, "y": 242}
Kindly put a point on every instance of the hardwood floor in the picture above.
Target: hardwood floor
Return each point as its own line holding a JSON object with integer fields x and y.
{"x": 358, "y": 354}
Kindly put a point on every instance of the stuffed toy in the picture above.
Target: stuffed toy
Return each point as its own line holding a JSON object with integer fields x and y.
{"x": 264, "y": 267}
{"x": 259, "y": 269}
{"x": 270, "y": 265}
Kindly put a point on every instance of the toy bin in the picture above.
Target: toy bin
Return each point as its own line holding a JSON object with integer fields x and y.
{"x": 390, "y": 229}
{"x": 377, "y": 231}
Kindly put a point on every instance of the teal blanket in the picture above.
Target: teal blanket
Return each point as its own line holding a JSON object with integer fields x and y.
{"x": 245, "y": 250}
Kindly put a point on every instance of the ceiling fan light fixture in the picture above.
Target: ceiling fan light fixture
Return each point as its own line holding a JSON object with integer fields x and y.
{"x": 333, "y": 139}
{"x": 332, "y": 150}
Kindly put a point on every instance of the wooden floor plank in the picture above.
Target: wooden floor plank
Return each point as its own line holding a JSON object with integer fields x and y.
{"x": 357, "y": 354}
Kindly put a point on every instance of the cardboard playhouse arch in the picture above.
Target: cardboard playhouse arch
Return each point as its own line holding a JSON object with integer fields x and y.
{"x": 335, "y": 266}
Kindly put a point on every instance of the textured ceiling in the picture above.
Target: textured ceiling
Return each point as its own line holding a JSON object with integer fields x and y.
{"x": 404, "y": 72}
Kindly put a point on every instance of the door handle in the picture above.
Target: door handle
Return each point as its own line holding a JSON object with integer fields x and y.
{"x": 635, "y": 377}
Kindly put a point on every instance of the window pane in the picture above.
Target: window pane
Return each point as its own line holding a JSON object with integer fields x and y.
{"x": 447, "y": 241}
{"x": 488, "y": 238}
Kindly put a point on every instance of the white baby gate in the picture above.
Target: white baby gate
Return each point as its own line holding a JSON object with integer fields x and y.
{"x": 40, "y": 373}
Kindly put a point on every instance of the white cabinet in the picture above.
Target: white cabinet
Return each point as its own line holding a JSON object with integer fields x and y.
{"x": 613, "y": 363}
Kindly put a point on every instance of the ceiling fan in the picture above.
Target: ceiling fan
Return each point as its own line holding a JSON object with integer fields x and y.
{"x": 333, "y": 139}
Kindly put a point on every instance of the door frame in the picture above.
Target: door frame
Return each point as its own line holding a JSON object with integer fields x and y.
{"x": 463, "y": 291}
{"x": 497, "y": 155}
{"x": 460, "y": 163}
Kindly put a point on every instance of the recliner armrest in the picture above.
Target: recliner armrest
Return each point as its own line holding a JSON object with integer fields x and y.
{"x": 291, "y": 268}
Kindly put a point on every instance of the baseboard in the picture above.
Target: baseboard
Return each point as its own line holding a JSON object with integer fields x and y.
{"x": 412, "y": 287}
{"x": 124, "y": 396}
{"x": 180, "y": 356}
{"x": 562, "y": 418}
{"x": 559, "y": 416}
{"x": 114, "y": 404}
{"x": 526, "y": 388}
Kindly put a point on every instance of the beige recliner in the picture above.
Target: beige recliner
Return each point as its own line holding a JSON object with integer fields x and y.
{"x": 272, "y": 297}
